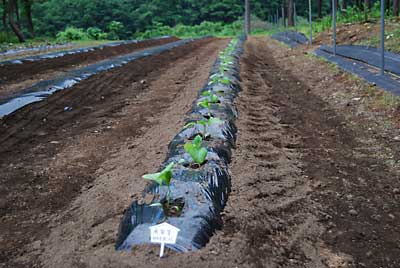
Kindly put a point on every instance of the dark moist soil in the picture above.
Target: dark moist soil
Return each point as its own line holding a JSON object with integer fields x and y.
{"x": 19, "y": 72}
{"x": 49, "y": 156}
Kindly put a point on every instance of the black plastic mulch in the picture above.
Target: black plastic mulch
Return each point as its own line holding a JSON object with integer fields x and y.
{"x": 369, "y": 55}
{"x": 44, "y": 89}
{"x": 58, "y": 54}
{"x": 357, "y": 64}
{"x": 291, "y": 38}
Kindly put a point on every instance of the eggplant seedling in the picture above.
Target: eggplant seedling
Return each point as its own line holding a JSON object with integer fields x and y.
{"x": 162, "y": 178}
{"x": 219, "y": 79}
{"x": 205, "y": 123}
{"x": 212, "y": 98}
{"x": 196, "y": 151}
{"x": 210, "y": 93}
{"x": 205, "y": 104}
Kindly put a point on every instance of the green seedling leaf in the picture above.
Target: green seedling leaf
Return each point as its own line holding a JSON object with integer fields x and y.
{"x": 214, "y": 98}
{"x": 219, "y": 79}
{"x": 206, "y": 93}
{"x": 188, "y": 125}
{"x": 210, "y": 93}
{"x": 202, "y": 122}
{"x": 163, "y": 177}
{"x": 156, "y": 177}
{"x": 197, "y": 141}
{"x": 225, "y": 81}
{"x": 196, "y": 152}
{"x": 204, "y": 103}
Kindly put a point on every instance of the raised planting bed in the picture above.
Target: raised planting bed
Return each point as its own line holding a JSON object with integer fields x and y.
{"x": 291, "y": 38}
{"x": 15, "y": 71}
{"x": 59, "y": 54}
{"x": 192, "y": 186}
{"x": 44, "y": 89}
{"x": 365, "y": 63}
{"x": 41, "y": 48}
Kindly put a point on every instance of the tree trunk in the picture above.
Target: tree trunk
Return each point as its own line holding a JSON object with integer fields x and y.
{"x": 28, "y": 10}
{"x": 319, "y": 8}
{"x": 4, "y": 18}
{"x": 357, "y": 3}
{"x": 368, "y": 4}
{"x": 283, "y": 13}
{"x": 344, "y": 4}
{"x": 17, "y": 14}
{"x": 13, "y": 25}
{"x": 367, "y": 8}
{"x": 387, "y": 6}
{"x": 396, "y": 8}
{"x": 247, "y": 18}
{"x": 291, "y": 13}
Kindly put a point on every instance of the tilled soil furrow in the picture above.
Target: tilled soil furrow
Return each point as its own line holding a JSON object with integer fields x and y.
{"x": 350, "y": 179}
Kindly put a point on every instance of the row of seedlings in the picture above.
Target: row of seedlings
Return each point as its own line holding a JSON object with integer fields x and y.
{"x": 193, "y": 184}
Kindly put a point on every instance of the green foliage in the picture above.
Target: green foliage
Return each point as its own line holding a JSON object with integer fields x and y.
{"x": 352, "y": 14}
{"x": 95, "y": 33}
{"x": 115, "y": 30}
{"x": 196, "y": 151}
{"x": 392, "y": 39}
{"x": 7, "y": 37}
{"x": 72, "y": 34}
{"x": 153, "y": 18}
{"x": 356, "y": 14}
{"x": 203, "y": 29}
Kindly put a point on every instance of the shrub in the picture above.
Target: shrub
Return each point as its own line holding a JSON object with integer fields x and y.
{"x": 96, "y": 33}
{"x": 72, "y": 34}
{"x": 115, "y": 30}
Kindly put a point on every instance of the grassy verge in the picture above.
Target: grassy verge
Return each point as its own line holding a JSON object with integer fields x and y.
{"x": 392, "y": 38}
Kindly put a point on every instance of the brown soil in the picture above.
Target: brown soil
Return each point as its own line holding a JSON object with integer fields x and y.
{"x": 28, "y": 70}
{"x": 315, "y": 181}
{"x": 352, "y": 33}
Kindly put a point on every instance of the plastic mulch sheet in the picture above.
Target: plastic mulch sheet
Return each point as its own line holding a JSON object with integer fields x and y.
{"x": 58, "y": 54}
{"x": 363, "y": 71}
{"x": 291, "y": 38}
{"x": 369, "y": 55}
{"x": 44, "y": 89}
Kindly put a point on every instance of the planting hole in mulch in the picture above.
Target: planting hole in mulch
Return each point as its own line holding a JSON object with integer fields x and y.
{"x": 194, "y": 165}
{"x": 174, "y": 208}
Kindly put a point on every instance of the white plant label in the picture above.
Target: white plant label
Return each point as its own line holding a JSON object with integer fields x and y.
{"x": 163, "y": 233}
